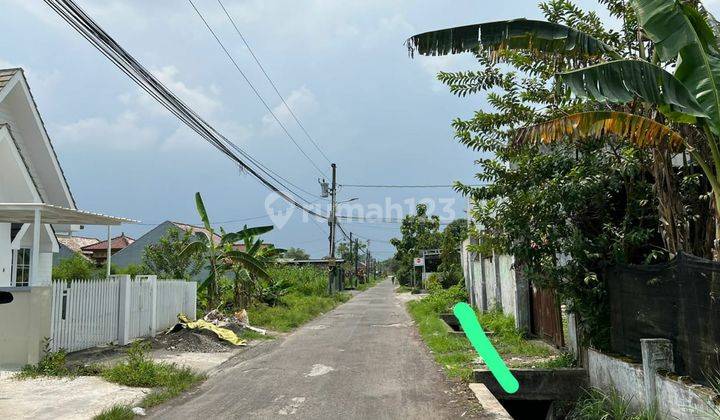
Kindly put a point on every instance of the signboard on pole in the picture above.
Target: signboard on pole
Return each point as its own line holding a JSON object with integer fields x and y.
{"x": 419, "y": 262}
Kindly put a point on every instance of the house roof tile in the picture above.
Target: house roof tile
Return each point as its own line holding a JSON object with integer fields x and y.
{"x": 118, "y": 242}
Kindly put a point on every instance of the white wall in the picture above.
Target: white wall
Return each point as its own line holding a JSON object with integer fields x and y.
{"x": 676, "y": 400}
{"x": 508, "y": 287}
{"x": 5, "y": 255}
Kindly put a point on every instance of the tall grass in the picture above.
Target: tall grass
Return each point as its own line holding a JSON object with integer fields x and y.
{"x": 306, "y": 298}
{"x": 598, "y": 404}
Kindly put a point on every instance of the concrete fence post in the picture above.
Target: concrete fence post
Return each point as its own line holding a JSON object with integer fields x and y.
{"x": 498, "y": 283}
{"x": 123, "y": 309}
{"x": 522, "y": 299}
{"x": 153, "y": 305}
{"x": 657, "y": 353}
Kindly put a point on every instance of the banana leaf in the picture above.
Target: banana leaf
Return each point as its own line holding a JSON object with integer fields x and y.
{"x": 641, "y": 131}
{"x": 201, "y": 211}
{"x": 679, "y": 31}
{"x": 523, "y": 34}
{"x": 250, "y": 263}
{"x": 623, "y": 80}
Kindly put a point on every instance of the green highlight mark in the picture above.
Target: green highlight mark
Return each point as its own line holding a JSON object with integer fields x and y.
{"x": 474, "y": 332}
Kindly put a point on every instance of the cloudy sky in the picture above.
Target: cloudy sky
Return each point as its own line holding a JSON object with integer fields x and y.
{"x": 341, "y": 65}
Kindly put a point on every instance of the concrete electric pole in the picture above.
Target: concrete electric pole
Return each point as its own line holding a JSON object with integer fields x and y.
{"x": 331, "y": 221}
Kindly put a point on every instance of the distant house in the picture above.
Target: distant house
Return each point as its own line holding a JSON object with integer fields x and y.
{"x": 133, "y": 253}
{"x": 98, "y": 251}
{"x": 71, "y": 246}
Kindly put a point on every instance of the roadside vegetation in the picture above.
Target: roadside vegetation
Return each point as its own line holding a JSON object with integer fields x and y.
{"x": 166, "y": 380}
{"x": 598, "y": 404}
{"x": 453, "y": 351}
{"x": 302, "y": 297}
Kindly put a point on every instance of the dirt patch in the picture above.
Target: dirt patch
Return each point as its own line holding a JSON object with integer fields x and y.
{"x": 195, "y": 341}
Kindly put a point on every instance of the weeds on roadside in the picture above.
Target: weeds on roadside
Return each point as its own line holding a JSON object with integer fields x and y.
{"x": 598, "y": 404}
{"x": 52, "y": 363}
{"x": 168, "y": 380}
{"x": 118, "y": 412}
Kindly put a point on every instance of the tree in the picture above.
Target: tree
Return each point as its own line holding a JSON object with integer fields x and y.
{"x": 296, "y": 254}
{"x": 73, "y": 268}
{"x": 246, "y": 282}
{"x": 452, "y": 237}
{"x": 165, "y": 258}
{"x": 591, "y": 202}
{"x": 654, "y": 107}
{"x": 419, "y": 232}
{"x": 217, "y": 254}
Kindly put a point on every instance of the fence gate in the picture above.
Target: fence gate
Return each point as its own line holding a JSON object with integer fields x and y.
{"x": 546, "y": 317}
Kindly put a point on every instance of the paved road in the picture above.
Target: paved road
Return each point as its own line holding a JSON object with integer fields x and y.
{"x": 363, "y": 360}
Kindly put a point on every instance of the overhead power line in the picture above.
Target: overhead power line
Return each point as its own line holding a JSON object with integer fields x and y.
{"x": 254, "y": 89}
{"x": 405, "y": 186}
{"x": 103, "y": 42}
{"x": 267, "y": 76}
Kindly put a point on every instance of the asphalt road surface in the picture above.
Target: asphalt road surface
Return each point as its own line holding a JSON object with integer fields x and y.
{"x": 363, "y": 360}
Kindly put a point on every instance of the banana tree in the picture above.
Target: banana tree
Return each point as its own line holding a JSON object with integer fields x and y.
{"x": 662, "y": 104}
{"x": 219, "y": 252}
{"x": 240, "y": 263}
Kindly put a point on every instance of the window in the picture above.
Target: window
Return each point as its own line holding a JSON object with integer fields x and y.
{"x": 21, "y": 274}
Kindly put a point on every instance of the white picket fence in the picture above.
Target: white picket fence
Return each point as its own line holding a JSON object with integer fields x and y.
{"x": 89, "y": 313}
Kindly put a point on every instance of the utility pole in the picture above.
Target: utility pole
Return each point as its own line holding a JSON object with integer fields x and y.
{"x": 331, "y": 222}
{"x": 357, "y": 250}
{"x": 352, "y": 257}
{"x": 367, "y": 261}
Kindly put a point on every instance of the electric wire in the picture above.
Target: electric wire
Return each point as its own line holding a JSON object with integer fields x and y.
{"x": 254, "y": 89}
{"x": 105, "y": 44}
{"x": 267, "y": 76}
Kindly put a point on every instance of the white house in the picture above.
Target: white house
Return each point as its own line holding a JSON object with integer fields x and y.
{"x": 35, "y": 199}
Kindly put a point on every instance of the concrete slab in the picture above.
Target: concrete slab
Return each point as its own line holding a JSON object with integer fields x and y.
{"x": 539, "y": 384}
{"x": 45, "y": 398}
{"x": 491, "y": 406}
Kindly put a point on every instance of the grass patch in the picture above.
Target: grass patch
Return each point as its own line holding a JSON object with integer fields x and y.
{"x": 507, "y": 339}
{"x": 118, "y": 412}
{"x": 454, "y": 352}
{"x": 166, "y": 380}
{"x": 403, "y": 289}
{"x": 306, "y": 298}
{"x": 597, "y": 404}
{"x": 253, "y": 335}
{"x": 364, "y": 286}
{"x": 53, "y": 364}
{"x": 294, "y": 310}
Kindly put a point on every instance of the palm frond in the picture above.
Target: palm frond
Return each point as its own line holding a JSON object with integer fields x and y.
{"x": 641, "y": 131}
{"x": 522, "y": 34}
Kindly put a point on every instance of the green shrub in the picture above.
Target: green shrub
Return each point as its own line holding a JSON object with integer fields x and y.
{"x": 75, "y": 267}
{"x": 53, "y": 363}
{"x": 168, "y": 380}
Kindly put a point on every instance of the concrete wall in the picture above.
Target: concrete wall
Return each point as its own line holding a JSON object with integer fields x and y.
{"x": 676, "y": 400}
{"x": 607, "y": 372}
{"x": 508, "y": 287}
{"x": 493, "y": 283}
{"x": 24, "y": 323}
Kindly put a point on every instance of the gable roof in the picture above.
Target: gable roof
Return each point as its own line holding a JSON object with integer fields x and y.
{"x": 6, "y": 75}
{"x": 39, "y": 156}
{"x": 118, "y": 242}
{"x": 76, "y": 243}
{"x": 194, "y": 229}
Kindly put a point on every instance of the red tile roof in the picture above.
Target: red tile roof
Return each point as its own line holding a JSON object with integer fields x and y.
{"x": 118, "y": 242}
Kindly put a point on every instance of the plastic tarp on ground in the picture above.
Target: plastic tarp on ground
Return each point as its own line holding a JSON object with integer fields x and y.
{"x": 679, "y": 300}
